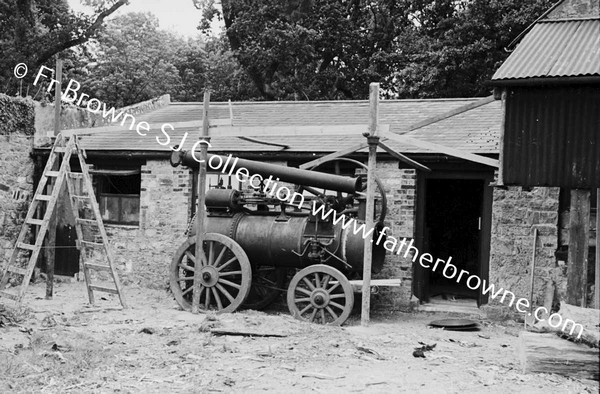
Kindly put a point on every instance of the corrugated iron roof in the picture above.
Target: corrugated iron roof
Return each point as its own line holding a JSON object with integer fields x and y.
{"x": 474, "y": 131}
{"x": 555, "y": 49}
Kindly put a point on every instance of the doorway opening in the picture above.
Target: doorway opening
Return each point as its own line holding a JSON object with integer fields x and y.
{"x": 452, "y": 231}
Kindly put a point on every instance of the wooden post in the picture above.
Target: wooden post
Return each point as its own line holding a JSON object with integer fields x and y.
{"x": 51, "y": 237}
{"x": 579, "y": 236}
{"x": 597, "y": 275}
{"x": 373, "y": 141}
{"x": 200, "y": 211}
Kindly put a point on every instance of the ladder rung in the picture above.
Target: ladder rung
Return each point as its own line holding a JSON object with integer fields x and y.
{"x": 91, "y": 243}
{"x": 53, "y": 173}
{"x": 76, "y": 174}
{"x": 43, "y": 197}
{"x": 22, "y": 245}
{"x": 8, "y": 295}
{"x": 82, "y": 197}
{"x": 98, "y": 267}
{"x": 60, "y": 149}
{"x": 35, "y": 222}
{"x": 87, "y": 221}
{"x": 104, "y": 289}
{"x": 17, "y": 270}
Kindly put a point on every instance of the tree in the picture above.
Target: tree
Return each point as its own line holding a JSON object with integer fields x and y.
{"x": 134, "y": 61}
{"x": 33, "y": 31}
{"x": 332, "y": 49}
{"x": 211, "y": 65}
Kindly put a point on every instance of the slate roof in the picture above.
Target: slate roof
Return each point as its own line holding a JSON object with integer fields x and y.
{"x": 476, "y": 130}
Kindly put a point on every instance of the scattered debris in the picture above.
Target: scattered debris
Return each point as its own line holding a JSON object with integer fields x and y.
{"x": 49, "y": 321}
{"x": 464, "y": 344}
{"x": 483, "y": 336}
{"x": 175, "y": 342}
{"x": 320, "y": 376}
{"x": 147, "y": 330}
{"x": 370, "y": 352}
{"x": 420, "y": 351}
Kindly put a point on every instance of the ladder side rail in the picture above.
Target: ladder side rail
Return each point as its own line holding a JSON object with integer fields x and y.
{"x": 96, "y": 210}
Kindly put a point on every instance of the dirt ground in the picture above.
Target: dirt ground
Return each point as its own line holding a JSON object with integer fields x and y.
{"x": 64, "y": 346}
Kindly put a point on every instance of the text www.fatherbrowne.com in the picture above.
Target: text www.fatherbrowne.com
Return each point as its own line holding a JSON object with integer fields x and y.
{"x": 449, "y": 270}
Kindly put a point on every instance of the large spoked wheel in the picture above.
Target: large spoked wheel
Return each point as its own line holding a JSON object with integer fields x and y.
{"x": 225, "y": 274}
{"x": 320, "y": 294}
{"x": 267, "y": 284}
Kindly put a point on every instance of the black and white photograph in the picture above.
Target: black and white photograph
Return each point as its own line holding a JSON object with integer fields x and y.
{"x": 299, "y": 196}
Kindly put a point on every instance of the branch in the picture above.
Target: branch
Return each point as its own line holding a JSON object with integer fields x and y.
{"x": 61, "y": 46}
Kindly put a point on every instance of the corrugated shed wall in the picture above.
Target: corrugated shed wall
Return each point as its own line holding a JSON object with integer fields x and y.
{"x": 552, "y": 137}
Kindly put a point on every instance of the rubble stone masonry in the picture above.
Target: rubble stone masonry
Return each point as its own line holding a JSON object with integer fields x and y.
{"x": 143, "y": 253}
{"x": 514, "y": 216}
{"x": 16, "y": 168}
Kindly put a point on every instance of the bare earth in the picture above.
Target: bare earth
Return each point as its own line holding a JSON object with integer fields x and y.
{"x": 63, "y": 346}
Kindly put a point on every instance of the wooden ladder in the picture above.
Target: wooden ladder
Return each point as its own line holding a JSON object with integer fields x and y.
{"x": 15, "y": 268}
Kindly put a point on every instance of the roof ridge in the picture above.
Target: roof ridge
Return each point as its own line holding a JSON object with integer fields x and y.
{"x": 316, "y": 102}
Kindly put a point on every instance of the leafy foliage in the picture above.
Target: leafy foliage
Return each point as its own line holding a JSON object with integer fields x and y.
{"x": 33, "y": 31}
{"x": 332, "y": 49}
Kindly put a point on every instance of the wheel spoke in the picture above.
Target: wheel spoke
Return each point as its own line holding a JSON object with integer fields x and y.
{"x": 218, "y": 298}
{"x": 323, "y": 316}
{"x": 308, "y": 283}
{"x": 203, "y": 261}
{"x": 313, "y": 314}
{"x": 336, "y": 305}
{"x": 207, "y": 299}
{"x": 332, "y": 313}
{"x": 303, "y": 311}
{"x": 190, "y": 256}
{"x": 317, "y": 280}
{"x": 303, "y": 291}
{"x": 325, "y": 281}
{"x": 187, "y": 290}
{"x": 335, "y": 286}
{"x": 187, "y": 267}
{"x": 229, "y": 283}
{"x": 337, "y": 296}
{"x": 184, "y": 278}
{"x": 211, "y": 252}
{"x": 229, "y": 273}
{"x": 307, "y": 299}
{"x": 218, "y": 260}
{"x": 225, "y": 292}
{"x": 231, "y": 260}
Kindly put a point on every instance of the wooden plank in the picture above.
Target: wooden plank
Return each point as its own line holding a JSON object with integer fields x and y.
{"x": 334, "y": 155}
{"x": 246, "y": 333}
{"x": 547, "y": 353}
{"x": 578, "y": 324}
{"x": 441, "y": 149}
{"x": 257, "y": 141}
{"x": 373, "y": 141}
{"x": 501, "y": 143}
{"x": 579, "y": 235}
{"x": 224, "y": 128}
{"x": 104, "y": 289}
{"x": 282, "y": 131}
{"x": 597, "y": 274}
{"x": 454, "y": 112}
{"x": 200, "y": 211}
{"x": 403, "y": 158}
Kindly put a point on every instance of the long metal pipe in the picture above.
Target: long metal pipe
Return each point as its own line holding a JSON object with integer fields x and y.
{"x": 285, "y": 174}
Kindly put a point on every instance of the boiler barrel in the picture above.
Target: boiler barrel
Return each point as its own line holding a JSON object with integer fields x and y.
{"x": 269, "y": 242}
{"x": 285, "y": 174}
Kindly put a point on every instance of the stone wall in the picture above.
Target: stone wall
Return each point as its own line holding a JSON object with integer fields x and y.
{"x": 515, "y": 214}
{"x": 16, "y": 168}
{"x": 143, "y": 253}
{"x": 400, "y": 185}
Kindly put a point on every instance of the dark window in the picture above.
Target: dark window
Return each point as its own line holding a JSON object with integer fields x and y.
{"x": 118, "y": 192}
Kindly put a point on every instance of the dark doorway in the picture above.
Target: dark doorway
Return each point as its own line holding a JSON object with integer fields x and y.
{"x": 67, "y": 254}
{"x": 453, "y": 221}
{"x": 452, "y": 230}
